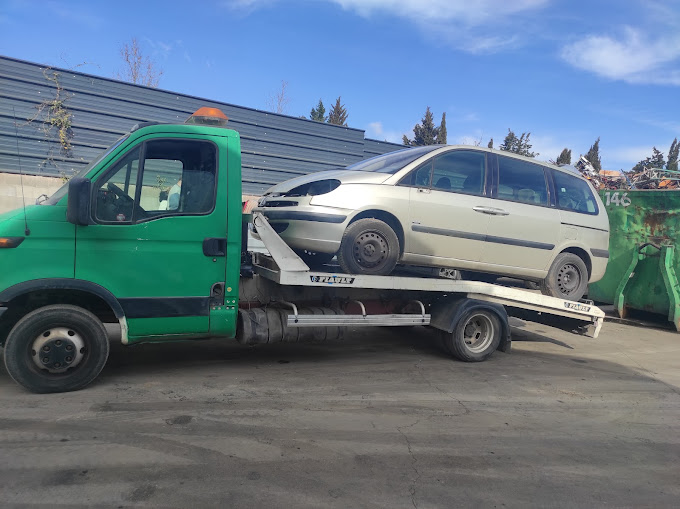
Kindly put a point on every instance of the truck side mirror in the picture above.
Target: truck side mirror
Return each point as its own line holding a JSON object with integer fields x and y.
{"x": 78, "y": 205}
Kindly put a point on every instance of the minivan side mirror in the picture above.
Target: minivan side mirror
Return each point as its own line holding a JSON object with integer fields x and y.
{"x": 78, "y": 205}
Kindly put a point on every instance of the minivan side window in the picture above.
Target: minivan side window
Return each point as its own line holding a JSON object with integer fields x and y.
{"x": 574, "y": 194}
{"x": 178, "y": 178}
{"x": 458, "y": 171}
{"x": 521, "y": 181}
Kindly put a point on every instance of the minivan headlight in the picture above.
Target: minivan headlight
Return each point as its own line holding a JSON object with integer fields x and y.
{"x": 314, "y": 188}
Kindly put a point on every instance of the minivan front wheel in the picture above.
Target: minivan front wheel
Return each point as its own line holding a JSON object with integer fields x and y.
{"x": 567, "y": 278}
{"x": 369, "y": 246}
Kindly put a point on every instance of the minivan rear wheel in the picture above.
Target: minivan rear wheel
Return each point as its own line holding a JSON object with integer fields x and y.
{"x": 567, "y": 278}
{"x": 369, "y": 246}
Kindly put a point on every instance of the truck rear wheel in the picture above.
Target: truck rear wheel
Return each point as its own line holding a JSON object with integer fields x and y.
{"x": 56, "y": 348}
{"x": 475, "y": 337}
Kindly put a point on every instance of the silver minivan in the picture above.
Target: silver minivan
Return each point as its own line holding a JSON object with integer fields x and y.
{"x": 463, "y": 207}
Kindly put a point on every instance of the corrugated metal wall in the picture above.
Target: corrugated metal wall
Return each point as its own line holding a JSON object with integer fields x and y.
{"x": 275, "y": 147}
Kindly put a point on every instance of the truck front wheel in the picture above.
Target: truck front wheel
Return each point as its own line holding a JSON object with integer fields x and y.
{"x": 56, "y": 348}
{"x": 475, "y": 337}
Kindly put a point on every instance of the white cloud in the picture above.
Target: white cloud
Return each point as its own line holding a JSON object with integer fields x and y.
{"x": 376, "y": 131}
{"x": 477, "y": 26}
{"x": 245, "y": 7}
{"x": 159, "y": 48}
{"x": 633, "y": 57}
{"x": 470, "y": 13}
{"x": 459, "y": 23}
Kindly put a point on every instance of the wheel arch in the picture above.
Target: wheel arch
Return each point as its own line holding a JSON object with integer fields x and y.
{"x": 387, "y": 217}
{"x": 446, "y": 313}
{"x": 22, "y": 298}
{"x": 583, "y": 255}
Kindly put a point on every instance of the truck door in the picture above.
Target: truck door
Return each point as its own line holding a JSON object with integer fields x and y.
{"x": 152, "y": 209}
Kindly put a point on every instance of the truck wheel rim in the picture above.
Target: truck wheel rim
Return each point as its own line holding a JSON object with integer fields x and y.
{"x": 568, "y": 279}
{"x": 478, "y": 333}
{"x": 370, "y": 249}
{"x": 58, "y": 349}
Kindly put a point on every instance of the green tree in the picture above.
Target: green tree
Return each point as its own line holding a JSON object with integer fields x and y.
{"x": 593, "y": 155}
{"x": 655, "y": 161}
{"x": 441, "y": 131}
{"x": 318, "y": 113}
{"x": 672, "y": 163}
{"x": 490, "y": 144}
{"x": 658, "y": 160}
{"x": 338, "y": 114}
{"x": 564, "y": 157}
{"x": 424, "y": 133}
{"x": 520, "y": 145}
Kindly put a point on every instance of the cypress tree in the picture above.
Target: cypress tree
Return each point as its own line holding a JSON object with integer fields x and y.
{"x": 672, "y": 163}
{"x": 338, "y": 114}
{"x": 318, "y": 113}
{"x": 593, "y": 155}
{"x": 490, "y": 145}
{"x": 424, "y": 133}
{"x": 564, "y": 157}
{"x": 441, "y": 131}
{"x": 510, "y": 143}
{"x": 657, "y": 160}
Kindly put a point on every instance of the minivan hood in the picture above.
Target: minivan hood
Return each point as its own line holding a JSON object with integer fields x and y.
{"x": 344, "y": 176}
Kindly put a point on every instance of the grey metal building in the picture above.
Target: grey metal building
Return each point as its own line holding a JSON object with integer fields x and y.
{"x": 275, "y": 147}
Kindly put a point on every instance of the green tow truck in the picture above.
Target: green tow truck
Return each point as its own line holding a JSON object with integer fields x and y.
{"x": 151, "y": 236}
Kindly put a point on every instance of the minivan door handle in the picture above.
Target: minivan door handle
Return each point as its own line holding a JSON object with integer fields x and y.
{"x": 491, "y": 210}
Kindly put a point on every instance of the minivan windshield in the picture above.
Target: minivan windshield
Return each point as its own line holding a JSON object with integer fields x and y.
{"x": 393, "y": 161}
{"x": 61, "y": 192}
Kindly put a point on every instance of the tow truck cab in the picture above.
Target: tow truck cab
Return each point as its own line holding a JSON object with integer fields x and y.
{"x": 148, "y": 235}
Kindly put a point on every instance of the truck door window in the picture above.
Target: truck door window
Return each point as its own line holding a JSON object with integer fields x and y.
{"x": 116, "y": 193}
{"x": 178, "y": 177}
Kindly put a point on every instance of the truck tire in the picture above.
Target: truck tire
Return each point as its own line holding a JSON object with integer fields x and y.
{"x": 475, "y": 337}
{"x": 369, "y": 246}
{"x": 57, "y": 348}
{"x": 567, "y": 278}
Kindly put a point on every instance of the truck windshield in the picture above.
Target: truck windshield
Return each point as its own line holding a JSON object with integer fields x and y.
{"x": 61, "y": 192}
{"x": 393, "y": 161}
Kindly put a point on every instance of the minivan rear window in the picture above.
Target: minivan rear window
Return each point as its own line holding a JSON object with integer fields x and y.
{"x": 574, "y": 194}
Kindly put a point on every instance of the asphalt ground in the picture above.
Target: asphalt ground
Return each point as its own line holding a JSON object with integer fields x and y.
{"x": 380, "y": 419}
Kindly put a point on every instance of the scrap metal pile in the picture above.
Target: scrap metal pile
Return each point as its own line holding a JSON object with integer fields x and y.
{"x": 647, "y": 178}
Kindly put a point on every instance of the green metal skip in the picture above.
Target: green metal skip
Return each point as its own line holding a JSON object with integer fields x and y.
{"x": 644, "y": 257}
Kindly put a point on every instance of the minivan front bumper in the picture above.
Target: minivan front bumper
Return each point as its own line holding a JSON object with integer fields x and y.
{"x": 310, "y": 228}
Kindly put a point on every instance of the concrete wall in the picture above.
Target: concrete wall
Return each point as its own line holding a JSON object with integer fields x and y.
{"x": 34, "y": 186}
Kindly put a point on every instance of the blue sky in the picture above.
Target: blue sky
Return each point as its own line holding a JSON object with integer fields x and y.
{"x": 567, "y": 71}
